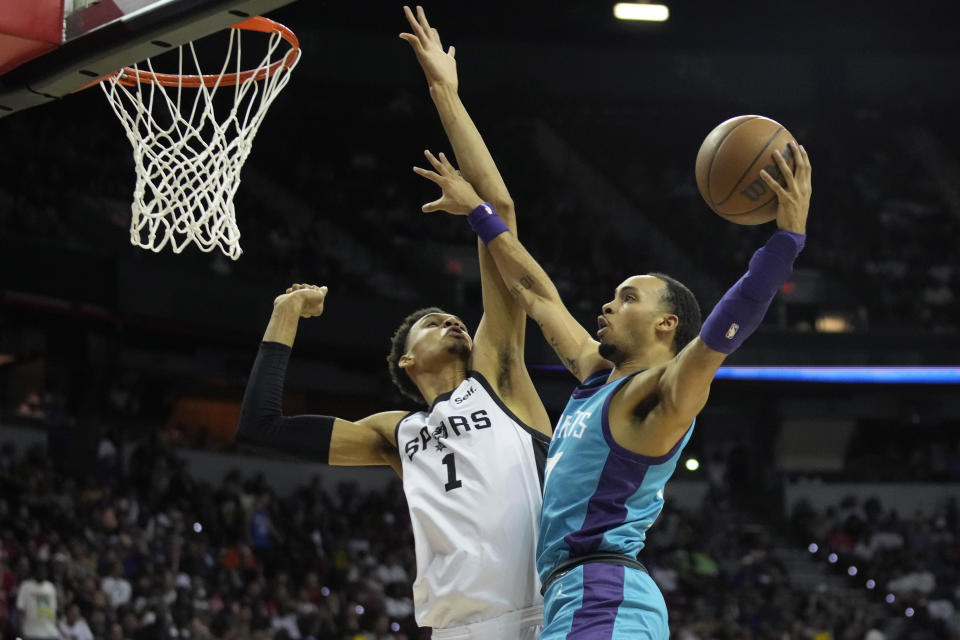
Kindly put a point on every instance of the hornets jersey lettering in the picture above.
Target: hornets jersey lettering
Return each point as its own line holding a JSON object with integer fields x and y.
{"x": 473, "y": 477}
{"x": 598, "y": 496}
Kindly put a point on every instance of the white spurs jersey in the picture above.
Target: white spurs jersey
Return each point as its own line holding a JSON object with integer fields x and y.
{"x": 473, "y": 477}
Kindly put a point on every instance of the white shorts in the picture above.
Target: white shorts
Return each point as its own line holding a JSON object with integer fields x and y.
{"x": 522, "y": 624}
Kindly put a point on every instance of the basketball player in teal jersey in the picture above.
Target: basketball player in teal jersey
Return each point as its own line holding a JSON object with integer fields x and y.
{"x": 472, "y": 463}
{"x": 643, "y": 382}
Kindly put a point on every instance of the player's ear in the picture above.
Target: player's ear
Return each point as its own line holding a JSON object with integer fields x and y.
{"x": 405, "y": 361}
{"x": 668, "y": 322}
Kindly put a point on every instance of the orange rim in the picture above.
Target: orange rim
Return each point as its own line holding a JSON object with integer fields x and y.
{"x": 132, "y": 77}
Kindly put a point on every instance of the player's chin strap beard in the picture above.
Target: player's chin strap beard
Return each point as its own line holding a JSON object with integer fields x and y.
{"x": 459, "y": 349}
{"x": 610, "y": 351}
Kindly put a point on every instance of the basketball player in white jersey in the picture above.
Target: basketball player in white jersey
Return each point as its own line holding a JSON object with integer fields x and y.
{"x": 472, "y": 463}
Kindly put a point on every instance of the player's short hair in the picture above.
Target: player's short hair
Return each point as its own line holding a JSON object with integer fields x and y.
{"x": 680, "y": 301}
{"x": 398, "y": 347}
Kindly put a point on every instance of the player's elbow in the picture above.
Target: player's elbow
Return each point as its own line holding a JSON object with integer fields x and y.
{"x": 541, "y": 305}
{"x": 503, "y": 205}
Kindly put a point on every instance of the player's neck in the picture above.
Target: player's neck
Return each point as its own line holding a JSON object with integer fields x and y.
{"x": 434, "y": 383}
{"x": 647, "y": 359}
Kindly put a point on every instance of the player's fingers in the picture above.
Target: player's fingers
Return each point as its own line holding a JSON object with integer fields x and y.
{"x": 429, "y": 175}
{"x": 807, "y": 169}
{"x": 446, "y": 163}
{"x": 433, "y": 160}
{"x": 435, "y": 36}
{"x": 409, "y": 16}
{"x": 773, "y": 184}
{"x": 785, "y": 169}
{"x": 430, "y": 207}
{"x": 414, "y": 43}
{"x": 414, "y": 24}
{"x": 452, "y": 51}
{"x": 797, "y": 156}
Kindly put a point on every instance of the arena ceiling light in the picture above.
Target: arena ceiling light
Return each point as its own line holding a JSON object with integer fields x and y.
{"x": 641, "y": 11}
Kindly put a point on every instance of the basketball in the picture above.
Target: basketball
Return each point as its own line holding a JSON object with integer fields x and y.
{"x": 729, "y": 164}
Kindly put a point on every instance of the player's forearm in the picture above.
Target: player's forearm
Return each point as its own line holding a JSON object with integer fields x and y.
{"x": 741, "y": 309}
{"x": 526, "y": 280}
{"x": 283, "y": 324}
{"x": 473, "y": 157}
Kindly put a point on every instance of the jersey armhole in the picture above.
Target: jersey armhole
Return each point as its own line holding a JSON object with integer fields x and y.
{"x": 396, "y": 429}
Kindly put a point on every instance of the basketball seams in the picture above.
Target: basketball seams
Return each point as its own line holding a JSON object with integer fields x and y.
{"x": 750, "y": 166}
{"x": 716, "y": 152}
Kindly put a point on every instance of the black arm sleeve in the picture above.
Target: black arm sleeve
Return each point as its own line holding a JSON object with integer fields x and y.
{"x": 262, "y": 423}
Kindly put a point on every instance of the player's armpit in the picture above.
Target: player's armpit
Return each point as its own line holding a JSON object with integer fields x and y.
{"x": 499, "y": 338}
{"x": 655, "y": 408}
{"x": 498, "y": 351}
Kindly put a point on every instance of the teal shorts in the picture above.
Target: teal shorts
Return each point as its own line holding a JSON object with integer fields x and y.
{"x": 598, "y": 601}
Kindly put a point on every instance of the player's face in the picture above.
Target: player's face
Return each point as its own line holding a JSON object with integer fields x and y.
{"x": 629, "y": 321}
{"x": 438, "y": 335}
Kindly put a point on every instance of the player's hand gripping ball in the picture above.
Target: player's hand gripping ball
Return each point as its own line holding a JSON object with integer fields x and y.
{"x": 729, "y": 164}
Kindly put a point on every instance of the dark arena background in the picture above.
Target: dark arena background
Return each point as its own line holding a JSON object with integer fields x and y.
{"x": 818, "y": 496}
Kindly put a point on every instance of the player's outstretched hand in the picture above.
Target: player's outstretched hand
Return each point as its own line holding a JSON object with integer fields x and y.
{"x": 305, "y": 299}
{"x": 793, "y": 201}
{"x": 459, "y": 196}
{"x": 440, "y": 67}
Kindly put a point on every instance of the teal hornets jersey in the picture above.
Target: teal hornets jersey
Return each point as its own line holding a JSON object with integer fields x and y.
{"x": 599, "y": 497}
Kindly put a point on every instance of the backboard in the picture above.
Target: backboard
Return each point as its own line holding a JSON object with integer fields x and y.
{"x": 50, "y": 48}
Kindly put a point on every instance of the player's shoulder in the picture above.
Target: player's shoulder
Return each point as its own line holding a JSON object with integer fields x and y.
{"x": 388, "y": 418}
{"x": 385, "y": 422}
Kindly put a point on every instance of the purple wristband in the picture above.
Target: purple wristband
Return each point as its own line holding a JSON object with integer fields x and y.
{"x": 486, "y": 223}
{"x": 742, "y": 307}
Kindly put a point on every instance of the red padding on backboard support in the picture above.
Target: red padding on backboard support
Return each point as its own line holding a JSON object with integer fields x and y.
{"x": 28, "y": 28}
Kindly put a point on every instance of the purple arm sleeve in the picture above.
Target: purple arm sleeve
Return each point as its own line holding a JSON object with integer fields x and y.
{"x": 743, "y": 306}
{"x": 486, "y": 223}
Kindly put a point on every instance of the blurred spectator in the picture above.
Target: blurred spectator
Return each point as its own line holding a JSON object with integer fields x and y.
{"x": 37, "y": 605}
{"x": 74, "y": 627}
{"x": 116, "y": 586}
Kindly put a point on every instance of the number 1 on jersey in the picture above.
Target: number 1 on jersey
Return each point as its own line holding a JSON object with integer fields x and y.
{"x": 452, "y": 482}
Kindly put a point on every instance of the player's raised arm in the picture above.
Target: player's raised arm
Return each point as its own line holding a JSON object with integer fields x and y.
{"x": 318, "y": 438}
{"x": 685, "y": 383}
{"x": 473, "y": 157}
{"x": 499, "y": 339}
{"x": 525, "y": 278}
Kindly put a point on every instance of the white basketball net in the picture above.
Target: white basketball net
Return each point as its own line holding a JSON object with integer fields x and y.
{"x": 188, "y": 159}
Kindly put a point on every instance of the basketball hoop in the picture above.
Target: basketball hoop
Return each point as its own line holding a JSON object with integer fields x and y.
{"x": 187, "y": 157}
